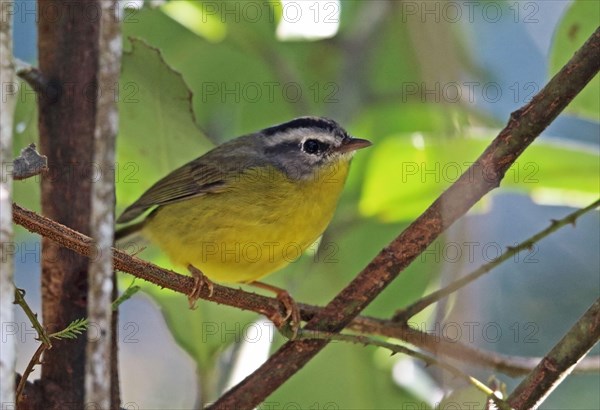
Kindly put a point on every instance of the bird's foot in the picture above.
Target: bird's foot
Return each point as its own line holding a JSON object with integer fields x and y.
{"x": 292, "y": 316}
{"x": 200, "y": 281}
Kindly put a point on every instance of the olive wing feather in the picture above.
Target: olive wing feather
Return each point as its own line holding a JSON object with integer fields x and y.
{"x": 192, "y": 179}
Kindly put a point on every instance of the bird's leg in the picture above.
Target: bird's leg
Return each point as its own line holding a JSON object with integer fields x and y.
{"x": 291, "y": 308}
{"x": 200, "y": 281}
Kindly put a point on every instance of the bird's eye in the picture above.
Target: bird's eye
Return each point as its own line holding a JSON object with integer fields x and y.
{"x": 313, "y": 146}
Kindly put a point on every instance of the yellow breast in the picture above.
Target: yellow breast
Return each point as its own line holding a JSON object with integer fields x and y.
{"x": 260, "y": 223}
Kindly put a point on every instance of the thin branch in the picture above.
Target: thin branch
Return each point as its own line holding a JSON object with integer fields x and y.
{"x": 70, "y": 332}
{"x": 42, "y": 336}
{"x": 35, "y": 360}
{"x": 395, "y": 348}
{"x": 484, "y": 175}
{"x": 20, "y": 300}
{"x": 411, "y": 310}
{"x": 32, "y": 76}
{"x": 270, "y": 307}
{"x": 559, "y": 362}
{"x": 442, "y": 346}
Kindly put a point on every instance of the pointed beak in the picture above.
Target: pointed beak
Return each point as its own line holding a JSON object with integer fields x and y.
{"x": 352, "y": 144}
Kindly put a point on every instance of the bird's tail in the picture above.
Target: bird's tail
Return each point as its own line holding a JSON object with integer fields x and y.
{"x": 128, "y": 230}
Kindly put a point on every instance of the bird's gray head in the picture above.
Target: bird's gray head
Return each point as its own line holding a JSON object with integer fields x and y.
{"x": 303, "y": 145}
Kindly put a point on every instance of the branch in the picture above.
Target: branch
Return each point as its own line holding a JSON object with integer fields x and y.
{"x": 101, "y": 367}
{"x": 442, "y": 346}
{"x": 34, "y": 77}
{"x": 559, "y": 362}
{"x": 395, "y": 348}
{"x": 270, "y": 307}
{"x": 42, "y": 337}
{"x": 71, "y": 332}
{"x": 484, "y": 175}
{"x": 20, "y": 300}
{"x": 411, "y": 310}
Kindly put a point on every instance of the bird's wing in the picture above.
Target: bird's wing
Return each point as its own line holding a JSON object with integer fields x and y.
{"x": 193, "y": 179}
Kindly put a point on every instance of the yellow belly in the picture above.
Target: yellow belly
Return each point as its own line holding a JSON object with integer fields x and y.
{"x": 259, "y": 224}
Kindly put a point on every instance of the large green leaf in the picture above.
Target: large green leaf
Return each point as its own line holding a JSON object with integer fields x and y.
{"x": 578, "y": 23}
{"x": 406, "y": 173}
{"x": 157, "y": 128}
{"x": 343, "y": 376}
{"x": 237, "y": 89}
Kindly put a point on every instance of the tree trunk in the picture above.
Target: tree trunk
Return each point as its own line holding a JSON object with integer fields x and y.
{"x": 68, "y": 57}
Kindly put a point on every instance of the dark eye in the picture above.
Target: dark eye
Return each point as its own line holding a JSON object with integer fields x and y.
{"x": 313, "y": 146}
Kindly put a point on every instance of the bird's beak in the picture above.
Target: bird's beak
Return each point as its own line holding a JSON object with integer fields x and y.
{"x": 352, "y": 144}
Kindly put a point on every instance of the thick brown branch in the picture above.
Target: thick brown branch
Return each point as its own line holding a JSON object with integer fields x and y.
{"x": 559, "y": 363}
{"x": 483, "y": 176}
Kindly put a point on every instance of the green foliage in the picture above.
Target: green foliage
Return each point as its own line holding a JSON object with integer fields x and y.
{"x": 422, "y": 166}
{"x": 157, "y": 131}
{"x": 343, "y": 377}
{"x": 127, "y": 294}
{"x": 73, "y": 331}
{"x": 578, "y": 23}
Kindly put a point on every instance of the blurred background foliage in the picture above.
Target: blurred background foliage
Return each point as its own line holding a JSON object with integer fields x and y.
{"x": 430, "y": 83}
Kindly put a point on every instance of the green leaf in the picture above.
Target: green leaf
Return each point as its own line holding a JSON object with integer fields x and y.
{"x": 468, "y": 397}
{"x": 240, "y": 84}
{"x": 126, "y": 295}
{"x": 74, "y": 330}
{"x": 578, "y": 23}
{"x": 342, "y": 376}
{"x": 157, "y": 129}
{"x": 406, "y": 173}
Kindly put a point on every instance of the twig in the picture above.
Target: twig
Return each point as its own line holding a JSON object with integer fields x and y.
{"x": 42, "y": 336}
{"x": 72, "y": 331}
{"x": 270, "y": 307}
{"x": 559, "y": 362}
{"x": 395, "y": 348}
{"x": 33, "y": 76}
{"x": 483, "y": 176}
{"x": 20, "y": 300}
{"x": 411, "y": 310}
{"x": 35, "y": 360}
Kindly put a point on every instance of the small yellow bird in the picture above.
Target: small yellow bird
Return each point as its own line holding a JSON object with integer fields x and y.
{"x": 251, "y": 205}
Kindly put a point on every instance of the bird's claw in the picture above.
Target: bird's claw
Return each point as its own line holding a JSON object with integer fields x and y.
{"x": 200, "y": 281}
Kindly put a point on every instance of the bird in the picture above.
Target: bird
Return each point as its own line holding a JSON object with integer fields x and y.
{"x": 249, "y": 206}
